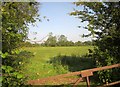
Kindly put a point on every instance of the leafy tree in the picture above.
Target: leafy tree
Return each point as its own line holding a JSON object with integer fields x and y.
{"x": 62, "y": 40}
{"x": 15, "y": 19}
{"x": 78, "y": 43}
{"x": 51, "y": 41}
{"x": 87, "y": 43}
{"x": 69, "y": 43}
{"x": 103, "y": 23}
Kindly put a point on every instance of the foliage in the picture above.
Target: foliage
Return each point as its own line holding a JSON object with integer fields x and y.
{"x": 78, "y": 43}
{"x": 15, "y": 18}
{"x": 62, "y": 40}
{"x": 52, "y": 61}
{"x": 28, "y": 44}
{"x": 51, "y": 41}
{"x": 11, "y": 75}
{"x": 88, "y": 43}
{"x": 103, "y": 23}
{"x": 72, "y": 63}
{"x": 12, "y": 70}
{"x": 39, "y": 66}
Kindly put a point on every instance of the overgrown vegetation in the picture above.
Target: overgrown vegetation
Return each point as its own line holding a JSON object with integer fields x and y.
{"x": 72, "y": 63}
{"x": 103, "y": 23}
{"x": 15, "y": 19}
{"x": 52, "y": 61}
{"x": 47, "y": 61}
{"x": 12, "y": 70}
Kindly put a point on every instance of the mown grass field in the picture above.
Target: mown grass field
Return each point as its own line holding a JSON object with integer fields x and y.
{"x": 51, "y": 61}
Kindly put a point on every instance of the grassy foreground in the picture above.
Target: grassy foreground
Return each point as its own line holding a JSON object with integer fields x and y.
{"x": 50, "y": 61}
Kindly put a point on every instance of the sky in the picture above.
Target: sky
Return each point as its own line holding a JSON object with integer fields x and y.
{"x": 60, "y": 22}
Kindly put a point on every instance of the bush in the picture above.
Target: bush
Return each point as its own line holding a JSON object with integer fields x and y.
{"x": 11, "y": 71}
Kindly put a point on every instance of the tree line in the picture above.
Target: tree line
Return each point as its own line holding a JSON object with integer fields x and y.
{"x": 61, "y": 40}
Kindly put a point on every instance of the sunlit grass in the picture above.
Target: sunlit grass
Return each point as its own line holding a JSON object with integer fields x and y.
{"x": 38, "y": 66}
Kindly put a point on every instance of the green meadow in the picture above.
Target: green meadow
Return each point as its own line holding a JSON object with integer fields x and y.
{"x": 51, "y": 61}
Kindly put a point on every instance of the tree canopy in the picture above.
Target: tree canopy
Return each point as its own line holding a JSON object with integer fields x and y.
{"x": 16, "y": 16}
{"x": 51, "y": 41}
{"x": 103, "y": 23}
{"x": 62, "y": 40}
{"x": 15, "y": 19}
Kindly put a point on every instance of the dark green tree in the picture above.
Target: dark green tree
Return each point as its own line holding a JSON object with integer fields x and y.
{"x": 51, "y": 41}
{"x": 78, "y": 43}
{"x": 103, "y": 23}
{"x": 69, "y": 43}
{"x": 87, "y": 43}
{"x": 15, "y": 19}
{"x": 62, "y": 40}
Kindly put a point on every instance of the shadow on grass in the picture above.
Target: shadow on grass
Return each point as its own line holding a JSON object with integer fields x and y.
{"x": 73, "y": 63}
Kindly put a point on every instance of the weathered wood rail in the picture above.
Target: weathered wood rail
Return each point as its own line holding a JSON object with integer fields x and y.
{"x": 84, "y": 75}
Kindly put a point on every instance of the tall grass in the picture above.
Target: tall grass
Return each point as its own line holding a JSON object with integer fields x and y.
{"x": 50, "y": 61}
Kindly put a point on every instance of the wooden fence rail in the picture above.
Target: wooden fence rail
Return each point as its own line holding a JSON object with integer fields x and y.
{"x": 84, "y": 75}
{"x": 89, "y": 72}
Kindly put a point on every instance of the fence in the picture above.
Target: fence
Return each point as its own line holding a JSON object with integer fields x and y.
{"x": 84, "y": 74}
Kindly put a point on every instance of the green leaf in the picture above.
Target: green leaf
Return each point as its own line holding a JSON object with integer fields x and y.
{"x": 8, "y": 69}
{"x": 3, "y": 67}
{"x": 4, "y": 55}
{"x": 17, "y": 51}
{"x": 15, "y": 73}
{"x": 19, "y": 76}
